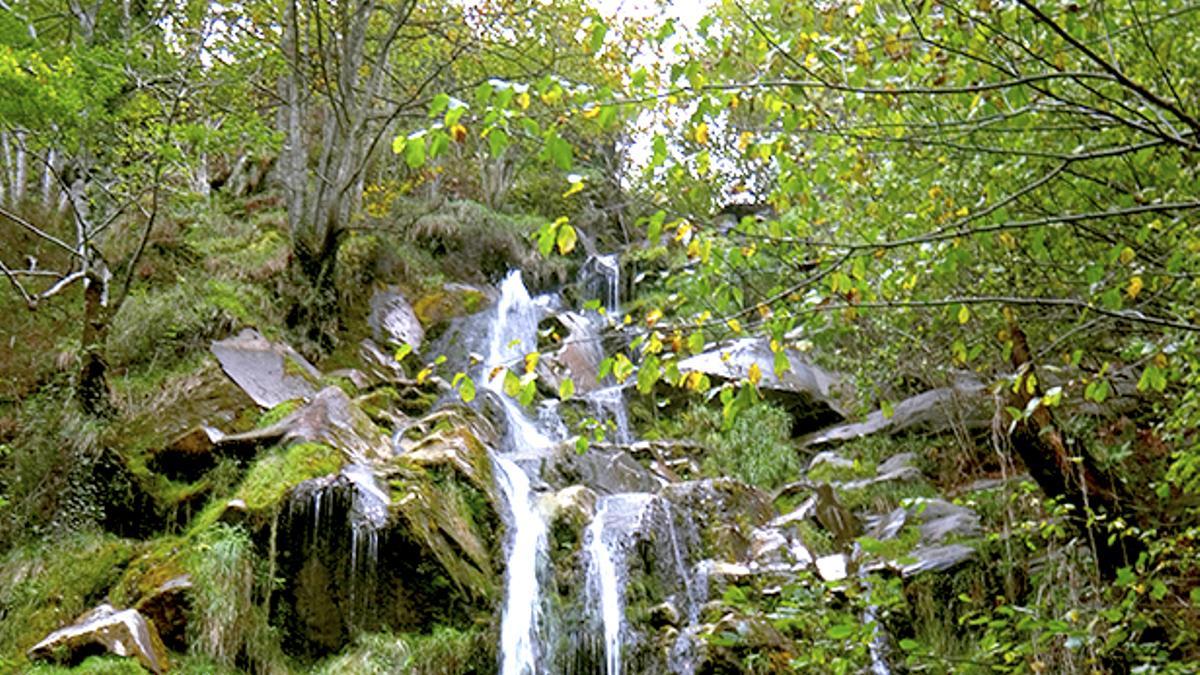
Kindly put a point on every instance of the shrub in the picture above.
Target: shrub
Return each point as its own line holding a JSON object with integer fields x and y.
{"x": 755, "y": 448}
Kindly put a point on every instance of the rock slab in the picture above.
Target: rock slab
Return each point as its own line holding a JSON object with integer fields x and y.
{"x": 270, "y": 373}
{"x": 124, "y": 633}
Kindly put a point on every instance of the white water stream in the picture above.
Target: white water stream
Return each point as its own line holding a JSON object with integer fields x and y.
{"x": 513, "y": 334}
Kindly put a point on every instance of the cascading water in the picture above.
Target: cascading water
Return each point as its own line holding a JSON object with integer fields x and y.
{"x": 522, "y": 602}
{"x": 513, "y": 334}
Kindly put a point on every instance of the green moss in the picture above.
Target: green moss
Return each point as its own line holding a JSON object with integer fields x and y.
{"x": 47, "y": 585}
{"x": 270, "y": 478}
{"x": 94, "y": 665}
{"x": 276, "y": 414}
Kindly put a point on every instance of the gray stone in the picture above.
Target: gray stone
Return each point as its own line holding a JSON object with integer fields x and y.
{"x": 940, "y": 519}
{"x": 392, "y": 319}
{"x": 664, "y": 614}
{"x": 967, "y": 403}
{"x": 936, "y": 558}
{"x": 607, "y": 471}
{"x": 897, "y": 463}
{"x": 811, "y": 394}
{"x": 124, "y": 633}
{"x": 270, "y": 373}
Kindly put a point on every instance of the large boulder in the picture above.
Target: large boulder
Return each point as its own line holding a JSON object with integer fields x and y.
{"x": 814, "y": 396}
{"x": 577, "y": 357}
{"x": 167, "y": 608}
{"x": 124, "y": 633}
{"x": 269, "y": 372}
{"x": 607, "y": 470}
{"x": 398, "y": 543}
{"x": 966, "y": 404}
{"x": 393, "y": 320}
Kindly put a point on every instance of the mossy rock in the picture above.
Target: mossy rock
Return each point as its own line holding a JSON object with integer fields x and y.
{"x": 274, "y": 474}
{"x": 46, "y": 585}
{"x": 448, "y": 302}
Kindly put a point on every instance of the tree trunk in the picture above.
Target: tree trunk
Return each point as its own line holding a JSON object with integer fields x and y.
{"x": 1065, "y": 470}
{"x": 92, "y": 389}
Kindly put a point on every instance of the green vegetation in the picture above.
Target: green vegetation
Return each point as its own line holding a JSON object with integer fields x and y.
{"x": 273, "y": 474}
{"x": 910, "y": 194}
{"x": 444, "y": 651}
{"x": 45, "y": 584}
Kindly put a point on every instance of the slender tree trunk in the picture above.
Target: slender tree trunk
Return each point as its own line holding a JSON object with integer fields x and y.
{"x": 92, "y": 389}
{"x": 19, "y": 169}
{"x": 1065, "y": 470}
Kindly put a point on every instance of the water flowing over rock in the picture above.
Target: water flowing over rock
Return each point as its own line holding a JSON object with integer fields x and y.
{"x": 359, "y": 556}
{"x": 512, "y": 334}
{"x": 600, "y": 279}
{"x": 124, "y": 633}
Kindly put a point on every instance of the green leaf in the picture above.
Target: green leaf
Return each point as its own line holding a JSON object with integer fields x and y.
{"x": 566, "y": 389}
{"x": 439, "y": 104}
{"x": 414, "y": 152}
{"x": 466, "y": 390}
{"x": 560, "y": 151}
{"x": 885, "y": 406}
{"x": 512, "y": 384}
{"x": 528, "y": 393}
{"x": 497, "y": 141}
{"x": 648, "y": 375}
{"x": 403, "y": 351}
{"x": 566, "y": 239}
{"x": 438, "y": 142}
{"x": 841, "y": 631}
{"x": 599, "y": 30}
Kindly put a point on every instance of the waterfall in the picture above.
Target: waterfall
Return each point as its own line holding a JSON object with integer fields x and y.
{"x": 513, "y": 333}
{"x": 522, "y": 601}
{"x": 601, "y": 280}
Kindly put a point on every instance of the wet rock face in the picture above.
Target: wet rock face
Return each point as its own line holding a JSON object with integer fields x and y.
{"x": 607, "y": 471}
{"x": 167, "y": 608}
{"x": 402, "y": 544}
{"x": 725, "y": 510}
{"x": 105, "y": 629}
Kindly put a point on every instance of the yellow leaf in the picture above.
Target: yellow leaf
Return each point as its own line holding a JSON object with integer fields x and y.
{"x": 424, "y": 375}
{"x": 685, "y": 229}
{"x": 459, "y": 133}
{"x": 744, "y": 140}
{"x": 755, "y": 374}
{"x": 576, "y": 187}
{"x": 962, "y": 212}
{"x": 701, "y": 133}
{"x": 523, "y": 100}
{"x": 591, "y": 111}
{"x": 653, "y": 316}
{"x": 1127, "y": 255}
{"x": 734, "y": 325}
{"x": 531, "y": 361}
{"x": 811, "y": 61}
{"x": 1135, "y": 287}
{"x": 964, "y": 314}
